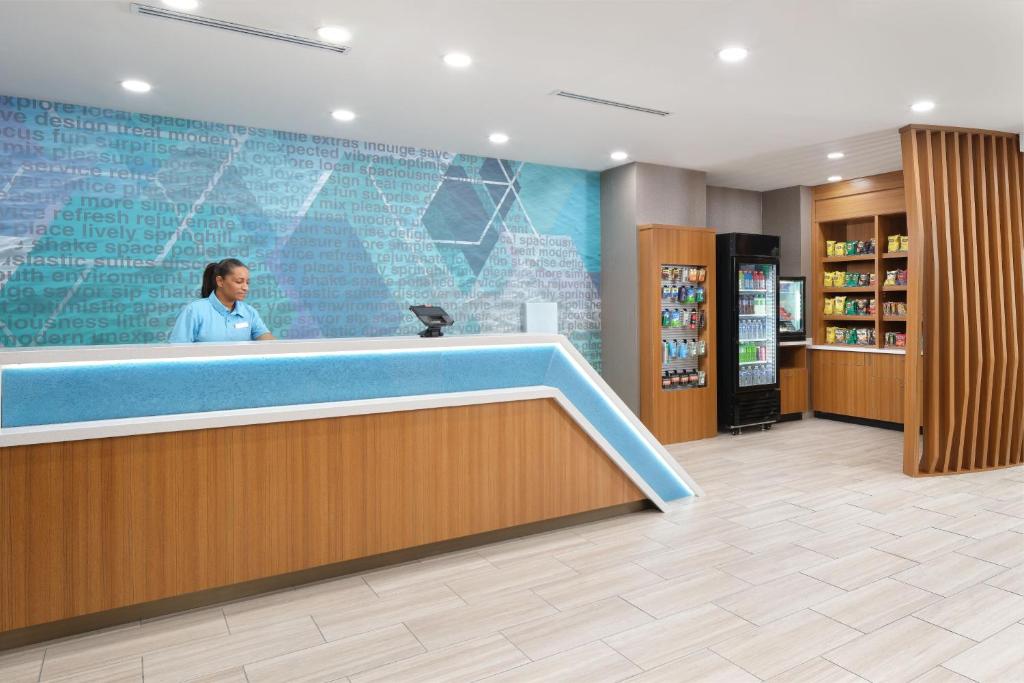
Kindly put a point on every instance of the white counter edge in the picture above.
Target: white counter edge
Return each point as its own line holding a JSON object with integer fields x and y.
{"x": 856, "y": 349}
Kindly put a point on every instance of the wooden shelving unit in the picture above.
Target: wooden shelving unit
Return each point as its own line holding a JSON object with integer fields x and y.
{"x": 856, "y": 380}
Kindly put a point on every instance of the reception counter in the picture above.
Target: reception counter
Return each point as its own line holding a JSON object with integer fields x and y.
{"x": 136, "y": 480}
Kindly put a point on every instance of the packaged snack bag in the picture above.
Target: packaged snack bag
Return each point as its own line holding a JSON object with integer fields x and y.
{"x": 904, "y": 242}
{"x": 828, "y": 306}
{"x": 871, "y": 280}
{"x": 830, "y": 248}
{"x": 862, "y": 307}
{"x": 872, "y": 308}
{"x": 828, "y": 278}
{"x": 901, "y": 339}
{"x": 865, "y": 279}
{"x": 894, "y": 243}
{"x": 851, "y": 307}
{"x": 851, "y": 336}
{"x": 852, "y": 279}
{"x": 830, "y": 335}
{"x": 851, "y": 248}
{"x": 861, "y": 247}
{"x": 901, "y": 277}
{"x": 839, "y": 305}
{"x": 890, "y": 277}
{"x": 871, "y": 245}
{"x": 862, "y": 337}
{"x": 901, "y": 308}
{"x": 872, "y": 337}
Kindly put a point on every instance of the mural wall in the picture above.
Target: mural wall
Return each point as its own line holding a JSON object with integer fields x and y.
{"x": 107, "y": 219}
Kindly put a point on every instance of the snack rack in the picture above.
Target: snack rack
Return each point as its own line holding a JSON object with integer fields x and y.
{"x": 684, "y": 346}
{"x": 862, "y": 282}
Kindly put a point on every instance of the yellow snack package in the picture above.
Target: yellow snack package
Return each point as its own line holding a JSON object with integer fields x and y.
{"x": 904, "y": 242}
{"x": 828, "y": 306}
{"x": 830, "y": 335}
{"x": 894, "y": 243}
{"x": 839, "y": 305}
{"x": 839, "y": 249}
{"x": 828, "y": 278}
{"x": 830, "y": 248}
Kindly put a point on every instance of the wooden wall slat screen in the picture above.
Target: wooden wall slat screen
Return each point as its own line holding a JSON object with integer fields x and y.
{"x": 89, "y": 526}
{"x": 965, "y": 365}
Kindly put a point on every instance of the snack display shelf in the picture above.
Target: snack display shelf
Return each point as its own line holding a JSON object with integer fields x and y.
{"x": 851, "y": 257}
{"x": 864, "y": 318}
{"x": 894, "y": 288}
{"x": 896, "y": 254}
{"x": 857, "y": 348}
{"x": 894, "y": 318}
{"x": 869, "y": 289}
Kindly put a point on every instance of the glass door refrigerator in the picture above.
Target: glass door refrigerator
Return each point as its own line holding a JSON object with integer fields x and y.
{"x": 792, "y": 309}
{"x": 748, "y": 340}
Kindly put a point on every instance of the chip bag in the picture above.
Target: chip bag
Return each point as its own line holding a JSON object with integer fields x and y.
{"x": 828, "y": 306}
{"x": 904, "y": 242}
{"x": 890, "y": 277}
{"x": 830, "y": 248}
{"x": 830, "y": 335}
{"x": 894, "y": 243}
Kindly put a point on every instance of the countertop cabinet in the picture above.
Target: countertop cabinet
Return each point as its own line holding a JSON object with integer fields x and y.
{"x": 864, "y": 385}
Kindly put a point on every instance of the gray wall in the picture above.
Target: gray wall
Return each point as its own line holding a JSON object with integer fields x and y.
{"x": 671, "y": 196}
{"x": 632, "y": 195}
{"x": 620, "y": 327}
{"x": 787, "y": 213}
{"x": 732, "y": 210}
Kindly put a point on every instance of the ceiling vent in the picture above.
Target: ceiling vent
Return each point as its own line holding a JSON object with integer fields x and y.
{"x": 162, "y": 13}
{"x": 610, "y": 103}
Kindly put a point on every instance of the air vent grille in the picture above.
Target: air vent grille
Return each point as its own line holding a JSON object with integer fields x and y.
{"x": 161, "y": 13}
{"x": 611, "y": 103}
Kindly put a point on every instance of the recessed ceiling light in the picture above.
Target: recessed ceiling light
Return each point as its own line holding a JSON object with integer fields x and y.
{"x": 619, "y": 156}
{"x": 334, "y": 34}
{"x": 835, "y": 178}
{"x": 733, "y": 54}
{"x": 134, "y": 85}
{"x": 923, "y": 106}
{"x": 183, "y": 5}
{"x": 460, "y": 60}
{"x": 498, "y": 138}
{"x": 836, "y": 155}
{"x": 342, "y": 115}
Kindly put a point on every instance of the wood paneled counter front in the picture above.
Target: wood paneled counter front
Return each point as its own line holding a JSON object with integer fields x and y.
{"x": 111, "y": 516}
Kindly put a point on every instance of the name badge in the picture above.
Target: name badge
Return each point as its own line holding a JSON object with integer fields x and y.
{"x": 241, "y": 326}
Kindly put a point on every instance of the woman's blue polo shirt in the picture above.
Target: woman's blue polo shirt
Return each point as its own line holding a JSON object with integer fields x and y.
{"x": 208, "y": 320}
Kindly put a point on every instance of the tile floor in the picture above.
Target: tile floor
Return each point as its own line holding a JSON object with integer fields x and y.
{"x": 812, "y": 558}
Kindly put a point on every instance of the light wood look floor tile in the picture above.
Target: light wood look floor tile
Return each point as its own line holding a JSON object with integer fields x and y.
{"x": 120, "y": 671}
{"x": 836, "y": 518}
{"x": 941, "y": 674}
{"x": 533, "y": 547}
{"x": 647, "y": 522}
{"x": 909, "y": 520}
{"x": 209, "y": 655}
{"x": 846, "y": 541}
{"x": 510, "y": 577}
{"x": 686, "y": 592}
{"x": 658, "y": 643}
{"x": 769, "y": 514}
{"x": 132, "y": 643}
{"x": 699, "y": 556}
{"x": 859, "y": 569}
{"x": 21, "y": 666}
{"x": 876, "y": 605}
{"x": 982, "y": 525}
{"x": 590, "y": 587}
{"x": 955, "y": 504}
{"x": 610, "y": 550}
{"x": 566, "y": 630}
{"x": 786, "y": 643}
{"x": 899, "y": 652}
{"x": 464, "y": 662}
{"x": 338, "y": 658}
{"x": 770, "y": 537}
{"x": 817, "y": 670}
{"x": 299, "y": 602}
{"x": 432, "y": 570}
{"x": 465, "y": 622}
{"x": 829, "y": 498}
{"x": 1000, "y": 659}
{"x": 976, "y": 613}
{"x": 779, "y": 598}
{"x": 591, "y": 663}
{"x": 769, "y": 566}
{"x": 234, "y": 675}
{"x": 704, "y": 666}
{"x": 1006, "y": 549}
{"x": 949, "y": 574}
{"x": 888, "y": 501}
{"x": 339, "y": 621}
{"x": 924, "y": 545}
{"x": 691, "y": 531}
{"x": 1011, "y": 580}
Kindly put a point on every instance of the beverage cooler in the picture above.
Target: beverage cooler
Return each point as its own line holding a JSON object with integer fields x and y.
{"x": 748, "y": 318}
{"x": 792, "y": 309}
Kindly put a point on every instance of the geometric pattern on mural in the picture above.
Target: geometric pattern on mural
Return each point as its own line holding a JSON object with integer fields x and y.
{"x": 108, "y": 217}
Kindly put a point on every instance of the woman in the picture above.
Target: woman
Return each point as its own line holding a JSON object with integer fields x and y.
{"x": 221, "y": 315}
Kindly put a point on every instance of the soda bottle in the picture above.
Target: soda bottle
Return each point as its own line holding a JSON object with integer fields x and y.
{"x": 743, "y": 280}
{"x": 693, "y": 319}
{"x": 665, "y": 319}
{"x": 702, "y": 322}
{"x": 664, "y": 352}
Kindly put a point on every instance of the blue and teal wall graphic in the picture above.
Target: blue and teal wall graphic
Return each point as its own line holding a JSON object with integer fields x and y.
{"x": 108, "y": 217}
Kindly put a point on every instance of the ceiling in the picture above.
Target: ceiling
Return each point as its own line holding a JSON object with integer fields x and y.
{"x": 822, "y": 74}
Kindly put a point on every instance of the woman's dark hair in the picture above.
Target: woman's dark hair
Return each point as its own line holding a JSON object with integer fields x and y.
{"x": 215, "y": 270}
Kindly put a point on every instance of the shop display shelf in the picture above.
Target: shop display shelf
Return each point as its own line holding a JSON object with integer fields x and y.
{"x": 850, "y": 258}
{"x": 869, "y": 289}
{"x": 864, "y": 318}
{"x": 894, "y": 288}
{"x": 896, "y": 254}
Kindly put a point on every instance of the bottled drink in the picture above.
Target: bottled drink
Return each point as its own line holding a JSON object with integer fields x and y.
{"x": 666, "y": 319}
{"x": 702, "y": 322}
{"x": 664, "y": 352}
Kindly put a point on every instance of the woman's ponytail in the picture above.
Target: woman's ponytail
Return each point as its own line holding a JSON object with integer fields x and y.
{"x": 215, "y": 270}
